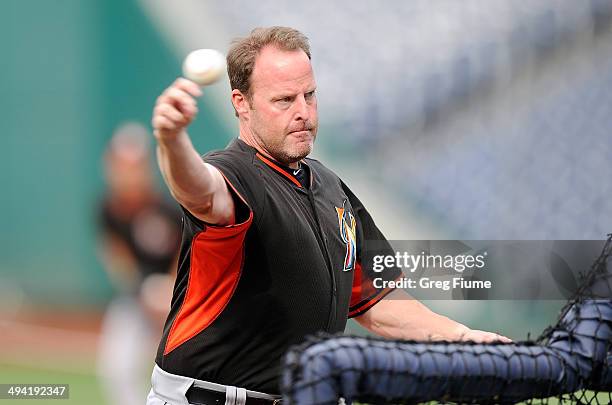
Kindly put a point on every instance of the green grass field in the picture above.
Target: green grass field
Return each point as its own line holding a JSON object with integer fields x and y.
{"x": 84, "y": 387}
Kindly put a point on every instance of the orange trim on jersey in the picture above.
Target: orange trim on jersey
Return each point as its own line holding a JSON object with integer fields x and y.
{"x": 373, "y": 301}
{"x": 216, "y": 260}
{"x": 278, "y": 169}
{"x": 364, "y": 288}
{"x": 356, "y": 295}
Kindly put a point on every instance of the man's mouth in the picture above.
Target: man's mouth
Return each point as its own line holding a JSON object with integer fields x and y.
{"x": 301, "y": 132}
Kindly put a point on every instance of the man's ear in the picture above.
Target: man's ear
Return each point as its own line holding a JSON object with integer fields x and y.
{"x": 240, "y": 103}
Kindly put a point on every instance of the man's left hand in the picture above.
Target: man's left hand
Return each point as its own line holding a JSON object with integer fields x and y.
{"x": 480, "y": 336}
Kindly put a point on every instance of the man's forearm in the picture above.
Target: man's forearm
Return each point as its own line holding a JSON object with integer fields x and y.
{"x": 187, "y": 176}
{"x": 407, "y": 318}
{"x": 198, "y": 186}
{"x": 400, "y": 316}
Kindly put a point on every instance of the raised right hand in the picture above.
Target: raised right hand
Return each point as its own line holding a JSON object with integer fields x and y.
{"x": 175, "y": 109}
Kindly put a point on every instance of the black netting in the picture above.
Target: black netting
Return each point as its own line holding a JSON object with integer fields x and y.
{"x": 571, "y": 362}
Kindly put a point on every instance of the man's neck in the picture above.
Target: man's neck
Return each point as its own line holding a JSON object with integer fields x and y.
{"x": 247, "y": 137}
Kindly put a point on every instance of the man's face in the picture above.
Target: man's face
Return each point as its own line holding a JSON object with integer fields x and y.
{"x": 283, "y": 107}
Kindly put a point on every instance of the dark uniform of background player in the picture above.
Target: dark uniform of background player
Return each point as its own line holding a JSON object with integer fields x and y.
{"x": 139, "y": 240}
{"x": 272, "y": 240}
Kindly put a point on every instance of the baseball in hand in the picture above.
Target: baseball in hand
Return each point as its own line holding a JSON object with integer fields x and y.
{"x": 204, "y": 66}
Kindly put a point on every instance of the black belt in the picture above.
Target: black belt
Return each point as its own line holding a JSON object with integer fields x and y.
{"x": 202, "y": 396}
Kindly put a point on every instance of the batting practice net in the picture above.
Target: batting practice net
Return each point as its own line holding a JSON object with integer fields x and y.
{"x": 571, "y": 362}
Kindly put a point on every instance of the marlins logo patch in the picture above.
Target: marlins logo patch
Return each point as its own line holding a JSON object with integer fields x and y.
{"x": 348, "y": 233}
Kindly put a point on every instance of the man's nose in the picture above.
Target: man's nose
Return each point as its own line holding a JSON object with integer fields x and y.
{"x": 302, "y": 109}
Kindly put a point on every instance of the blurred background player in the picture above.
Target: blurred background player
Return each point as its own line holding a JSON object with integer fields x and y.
{"x": 139, "y": 238}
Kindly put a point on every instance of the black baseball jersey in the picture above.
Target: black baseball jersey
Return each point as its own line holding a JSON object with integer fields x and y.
{"x": 290, "y": 267}
{"x": 151, "y": 233}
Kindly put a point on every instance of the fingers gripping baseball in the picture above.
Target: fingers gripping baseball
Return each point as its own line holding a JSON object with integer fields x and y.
{"x": 175, "y": 108}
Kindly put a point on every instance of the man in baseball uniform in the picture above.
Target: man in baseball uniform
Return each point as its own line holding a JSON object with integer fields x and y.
{"x": 272, "y": 240}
